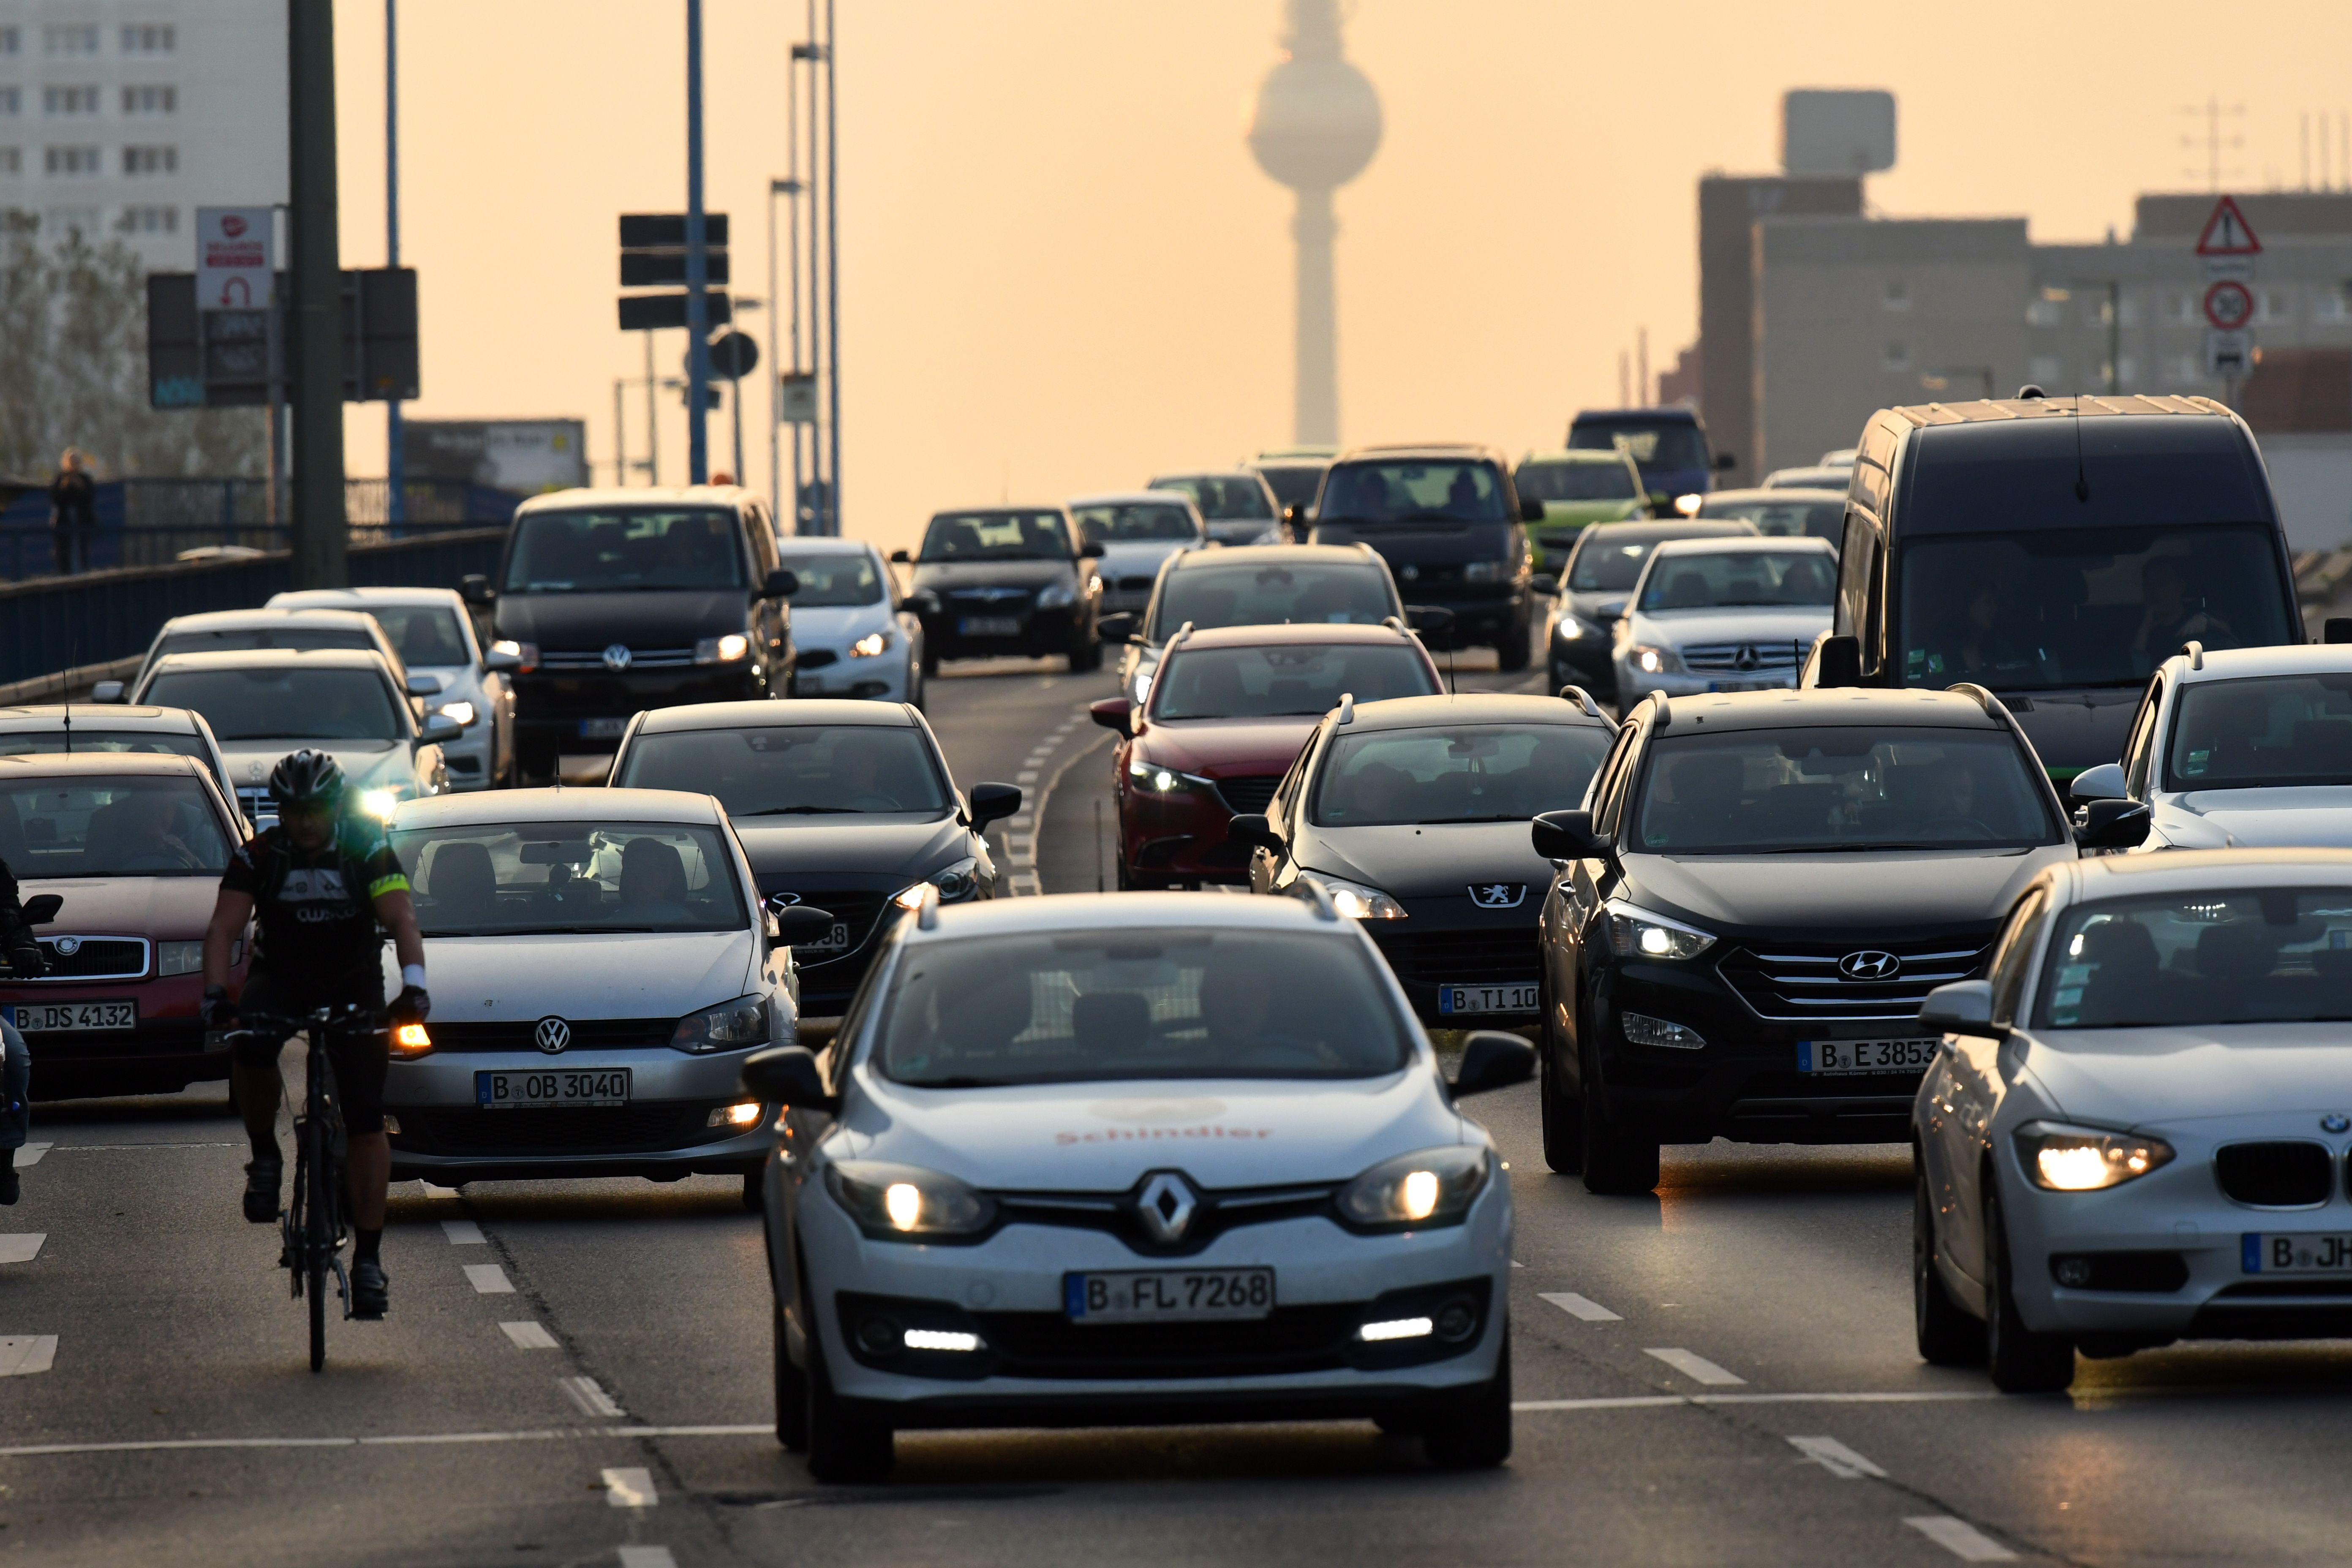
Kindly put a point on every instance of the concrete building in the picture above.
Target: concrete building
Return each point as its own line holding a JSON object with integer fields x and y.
{"x": 119, "y": 118}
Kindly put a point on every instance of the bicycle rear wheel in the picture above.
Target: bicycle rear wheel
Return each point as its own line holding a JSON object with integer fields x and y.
{"x": 318, "y": 1232}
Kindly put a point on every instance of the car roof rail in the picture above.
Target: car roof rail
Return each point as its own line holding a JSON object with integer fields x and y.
{"x": 1979, "y": 695}
{"x": 1582, "y": 698}
{"x": 2195, "y": 652}
{"x": 1181, "y": 633}
{"x": 1347, "y": 708}
{"x": 1318, "y": 897}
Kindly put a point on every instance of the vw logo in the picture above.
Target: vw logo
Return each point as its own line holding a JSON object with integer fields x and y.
{"x": 1498, "y": 895}
{"x": 1870, "y": 965}
{"x": 68, "y": 945}
{"x": 1746, "y": 658}
{"x": 617, "y": 656}
{"x": 1166, "y": 1206}
{"x": 551, "y": 1035}
{"x": 2336, "y": 1122}
{"x": 1411, "y": 574}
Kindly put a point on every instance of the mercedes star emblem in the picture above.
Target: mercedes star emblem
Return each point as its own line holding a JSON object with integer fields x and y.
{"x": 1746, "y": 658}
{"x": 551, "y": 1035}
{"x": 1869, "y": 965}
{"x": 1166, "y": 1206}
{"x": 617, "y": 655}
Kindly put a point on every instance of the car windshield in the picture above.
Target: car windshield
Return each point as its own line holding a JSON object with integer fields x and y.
{"x": 2267, "y": 955}
{"x": 241, "y": 640}
{"x": 803, "y": 770}
{"x": 1609, "y": 567}
{"x": 1784, "y": 519}
{"x": 1109, "y": 1006}
{"x": 283, "y": 704}
{"x": 996, "y": 536}
{"x": 1751, "y": 792}
{"x": 1294, "y": 484}
{"x": 829, "y": 580}
{"x": 1576, "y": 481}
{"x": 2084, "y": 607}
{"x": 623, "y": 550}
{"x": 507, "y": 878}
{"x": 1223, "y": 498}
{"x": 2274, "y": 730}
{"x": 423, "y": 634}
{"x": 1729, "y": 578}
{"x": 1128, "y": 523}
{"x": 1284, "y": 680}
{"x": 1666, "y": 445}
{"x": 1472, "y": 773}
{"x": 1355, "y": 592}
{"x": 139, "y": 826}
{"x": 1412, "y": 492}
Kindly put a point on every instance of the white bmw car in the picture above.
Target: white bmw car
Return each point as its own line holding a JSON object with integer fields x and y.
{"x": 1088, "y": 1161}
{"x": 2135, "y": 1130}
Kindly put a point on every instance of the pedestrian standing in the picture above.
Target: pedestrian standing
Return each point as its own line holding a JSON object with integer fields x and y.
{"x": 24, "y": 963}
{"x": 73, "y": 513}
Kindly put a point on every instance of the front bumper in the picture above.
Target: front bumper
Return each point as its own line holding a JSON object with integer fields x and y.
{"x": 169, "y": 1049}
{"x": 1446, "y": 942}
{"x": 567, "y": 714}
{"x": 1178, "y": 838}
{"x": 833, "y": 672}
{"x": 1632, "y": 680}
{"x": 1041, "y": 633}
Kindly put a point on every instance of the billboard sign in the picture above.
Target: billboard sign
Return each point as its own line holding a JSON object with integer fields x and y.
{"x": 529, "y": 456}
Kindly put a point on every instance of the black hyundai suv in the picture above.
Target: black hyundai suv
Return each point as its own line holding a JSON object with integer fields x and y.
{"x": 617, "y": 600}
{"x": 1758, "y": 892}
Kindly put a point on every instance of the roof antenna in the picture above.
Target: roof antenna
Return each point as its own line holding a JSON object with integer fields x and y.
{"x": 2081, "y": 481}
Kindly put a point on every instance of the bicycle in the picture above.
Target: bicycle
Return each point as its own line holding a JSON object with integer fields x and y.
{"x": 311, "y": 1225}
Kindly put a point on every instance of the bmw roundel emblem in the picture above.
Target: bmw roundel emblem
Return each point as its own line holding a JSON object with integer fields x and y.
{"x": 551, "y": 1035}
{"x": 2336, "y": 1121}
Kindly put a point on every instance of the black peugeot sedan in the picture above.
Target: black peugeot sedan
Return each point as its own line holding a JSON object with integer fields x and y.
{"x": 1412, "y": 814}
{"x": 844, "y": 805}
{"x": 1757, "y": 894}
{"x": 1007, "y": 580}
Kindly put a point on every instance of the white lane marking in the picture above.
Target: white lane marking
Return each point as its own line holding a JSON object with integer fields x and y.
{"x": 1638, "y": 1402}
{"x": 1836, "y": 1458}
{"x": 1696, "y": 1367}
{"x": 527, "y": 1335}
{"x": 646, "y": 1557}
{"x": 30, "y": 1155}
{"x": 630, "y": 1486}
{"x": 112, "y": 1148}
{"x": 545, "y": 1434}
{"x": 1517, "y": 1264}
{"x": 1961, "y": 1539}
{"x": 22, "y": 1247}
{"x": 489, "y": 1278}
{"x": 1024, "y": 865}
{"x": 590, "y": 1395}
{"x": 21, "y": 1356}
{"x": 464, "y": 1233}
{"x": 1583, "y": 1307}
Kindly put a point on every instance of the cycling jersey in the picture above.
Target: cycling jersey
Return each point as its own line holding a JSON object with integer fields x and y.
{"x": 316, "y": 908}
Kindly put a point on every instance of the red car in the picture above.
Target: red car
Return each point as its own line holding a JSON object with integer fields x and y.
{"x": 1227, "y": 713}
{"x": 134, "y": 844}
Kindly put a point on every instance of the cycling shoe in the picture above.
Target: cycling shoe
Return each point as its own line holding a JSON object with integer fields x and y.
{"x": 371, "y": 1291}
{"x": 261, "y": 1179}
{"x": 12, "y": 1186}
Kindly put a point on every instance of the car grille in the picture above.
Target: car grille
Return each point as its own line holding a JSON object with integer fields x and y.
{"x": 593, "y": 658}
{"x": 1137, "y": 583}
{"x": 815, "y": 658}
{"x": 95, "y": 957}
{"x": 1797, "y": 980}
{"x": 1445, "y": 957}
{"x": 258, "y": 808}
{"x": 2286, "y": 1175}
{"x": 578, "y": 1130}
{"x": 1251, "y": 794}
{"x": 587, "y": 1035}
{"x": 1769, "y": 658}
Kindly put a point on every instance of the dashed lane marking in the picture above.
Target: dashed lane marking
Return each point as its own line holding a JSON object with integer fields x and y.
{"x": 434, "y": 1190}
{"x": 21, "y": 1356}
{"x": 630, "y": 1487}
{"x": 464, "y": 1233}
{"x": 489, "y": 1278}
{"x": 1836, "y": 1458}
{"x": 1583, "y": 1307}
{"x": 30, "y": 1155}
{"x": 646, "y": 1557}
{"x": 1664, "y": 1401}
{"x": 22, "y": 1247}
{"x": 590, "y": 1395}
{"x": 1961, "y": 1539}
{"x": 1696, "y": 1367}
{"x": 529, "y": 1335}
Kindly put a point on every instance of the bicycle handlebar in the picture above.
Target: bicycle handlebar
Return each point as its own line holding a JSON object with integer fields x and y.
{"x": 341, "y": 1015}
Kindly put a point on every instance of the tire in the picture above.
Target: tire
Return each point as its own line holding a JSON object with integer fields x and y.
{"x": 319, "y": 1236}
{"x": 755, "y": 1195}
{"x": 843, "y": 1450}
{"x": 1517, "y": 651}
{"x": 792, "y": 1385}
{"x": 1948, "y": 1335}
{"x": 1563, "y": 1113}
{"x": 931, "y": 661}
{"x": 2021, "y": 1361}
{"x": 1472, "y": 1430}
{"x": 1619, "y": 1161}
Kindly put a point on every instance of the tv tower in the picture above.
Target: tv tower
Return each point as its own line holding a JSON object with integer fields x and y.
{"x": 1316, "y": 124}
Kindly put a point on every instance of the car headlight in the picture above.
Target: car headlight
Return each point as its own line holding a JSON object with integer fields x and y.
{"x": 1486, "y": 571}
{"x": 956, "y": 882}
{"x": 462, "y": 712}
{"x": 2066, "y": 1159}
{"x": 907, "y": 1200}
{"x": 742, "y": 1022}
{"x": 1056, "y": 596}
{"x": 1635, "y": 933}
{"x": 1432, "y": 1188}
{"x": 1164, "y": 781}
{"x": 179, "y": 957}
{"x": 1688, "y": 505}
{"x": 527, "y": 652}
{"x": 722, "y": 649}
{"x": 1359, "y": 902}
{"x": 1567, "y": 628}
{"x": 1651, "y": 660}
{"x": 379, "y": 803}
{"x": 873, "y": 645}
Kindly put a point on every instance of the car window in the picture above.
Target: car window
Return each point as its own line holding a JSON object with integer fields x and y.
{"x": 1222, "y": 497}
{"x": 1803, "y": 518}
{"x": 1729, "y": 578}
{"x": 1129, "y": 522}
{"x": 1575, "y": 481}
{"x": 996, "y": 536}
{"x": 1857, "y": 565}
{"x": 1654, "y": 447}
{"x": 1339, "y": 592}
{"x": 625, "y": 549}
{"x": 423, "y": 634}
{"x": 830, "y": 579}
{"x": 1402, "y": 491}
{"x": 1158, "y": 1003}
{"x": 2270, "y": 730}
{"x": 1293, "y": 484}
{"x": 1472, "y": 773}
{"x": 1285, "y": 678}
{"x": 1780, "y": 791}
{"x": 156, "y": 742}
{"x": 1609, "y": 567}
{"x": 2012, "y": 957}
{"x": 506, "y": 878}
{"x": 99, "y": 827}
{"x": 803, "y": 770}
{"x": 1286, "y": 794}
{"x": 238, "y": 639}
{"x": 282, "y": 704}
{"x": 2195, "y": 960}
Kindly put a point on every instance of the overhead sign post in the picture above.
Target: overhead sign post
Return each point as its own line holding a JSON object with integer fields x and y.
{"x": 2226, "y": 249}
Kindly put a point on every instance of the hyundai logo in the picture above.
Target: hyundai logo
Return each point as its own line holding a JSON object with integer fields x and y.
{"x": 2335, "y": 1122}
{"x": 1498, "y": 895}
{"x": 551, "y": 1035}
{"x": 1166, "y": 1206}
{"x": 617, "y": 656}
{"x": 1870, "y": 965}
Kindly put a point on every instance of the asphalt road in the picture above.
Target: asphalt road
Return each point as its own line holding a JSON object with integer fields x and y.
{"x": 1721, "y": 1372}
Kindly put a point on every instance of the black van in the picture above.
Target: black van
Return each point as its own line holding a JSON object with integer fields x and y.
{"x": 2056, "y": 551}
{"x": 617, "y": 600}
{"x": 1451, "y": 525}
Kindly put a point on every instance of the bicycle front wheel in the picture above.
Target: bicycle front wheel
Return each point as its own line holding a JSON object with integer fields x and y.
{"x": 319, "y": 1232}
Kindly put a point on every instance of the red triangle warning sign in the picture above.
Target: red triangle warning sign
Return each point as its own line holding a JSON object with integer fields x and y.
{"x": 2227, "y": 233}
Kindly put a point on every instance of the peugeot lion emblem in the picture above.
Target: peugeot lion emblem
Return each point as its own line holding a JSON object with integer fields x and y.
{"x": 1498, "y": 895}
{"x": 1166, "y": 1206}
{"x": 1869, "y": 965}
{"x": 551, "y": 1035}
{"x": 616, "y": 656}
{"x": 2336, "y": 1121}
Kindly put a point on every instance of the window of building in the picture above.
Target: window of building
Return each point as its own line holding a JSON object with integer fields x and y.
{"x": 70, "y": 160}
{"x": 151, "y": 100}
{"x": 1894, "y": 356}
{"x": 149, "y": 38}
{"x": 2045, "y": 312}
{"x": 2183, "y": 369}
{"x": 70, "y": 100}
{"x": 11, "y": 40}
{"x": 149, "y": 220}
{"x": 2043, "y": 371}
{"x": 1895, "y": 295}
{"x": 150, "y": 160}
{"x": 62, "y": 221}
{"x": 69, "y": 38}
{"x": 12, "y": 161}
{"x": 2189, "y": 309}
{"x": 2127, "y": 372}
{"x": 2332, "y": 306}
{"x": 12, "y": 101}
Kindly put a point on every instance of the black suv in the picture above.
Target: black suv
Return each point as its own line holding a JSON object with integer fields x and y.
{"x": 1007, "y": 580}
{"x": 617, "y": 600}
{"x": 1756, "y": 895}
{"x": 1451, "y": 525}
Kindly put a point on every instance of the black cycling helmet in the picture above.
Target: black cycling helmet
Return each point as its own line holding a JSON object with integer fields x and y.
{"x": 306, "y": 778}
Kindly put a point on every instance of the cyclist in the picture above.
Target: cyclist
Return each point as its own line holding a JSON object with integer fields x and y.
{"x": 24, "y": 963}
{"x": 318, "y": 884}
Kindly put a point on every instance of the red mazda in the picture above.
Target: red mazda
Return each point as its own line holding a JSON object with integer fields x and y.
{"x": 1227, "y": 713}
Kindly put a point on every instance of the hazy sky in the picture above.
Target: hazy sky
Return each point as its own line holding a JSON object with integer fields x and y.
{"x": 1062, "y": 270}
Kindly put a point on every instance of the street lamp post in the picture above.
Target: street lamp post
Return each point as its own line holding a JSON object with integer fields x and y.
{"x": 697, "y": 262}
{"x": 396, "y": 461}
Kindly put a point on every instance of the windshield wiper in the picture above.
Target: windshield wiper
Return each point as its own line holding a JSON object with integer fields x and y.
{"x": 800, "y": 811}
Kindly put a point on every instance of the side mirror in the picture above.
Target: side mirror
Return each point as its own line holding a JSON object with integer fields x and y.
{"x": 2113, "y": 825}
{"x": 797, "y": 923}
{"x": 2337, "y": 629}
{"x": 787, "y": 1075}
{"x": 1836, "y": 661}
{"x": 1963, "y": 1008}
{"x": 900, "y": 558}
{"x": 1566, "y": 835}
{"x": 106, "y": 691}
{"x": 2105, "y": 782}
{"x": 1112, "y": 713}
{"x": 498, "y": 661}
{"x": 40, "y": 909}
{"x": 1493, "y": 1059}
{"x": 1119, "y": 626}
{"x": 1428, "y": 617}
{"x": 1092, "y": 550}
{"x": 1545, "y": 583}
{"x": 426, "y": 685}
{"x": 995, "y": 802}
{"x": 1531, "y": 509}
{"x": 1252, "y": 831}
{"x": 1725, "y": 462}
{"x": 439, "y": 727}
{"x": 781, "y": 585}
{"x": 475, "y": 590}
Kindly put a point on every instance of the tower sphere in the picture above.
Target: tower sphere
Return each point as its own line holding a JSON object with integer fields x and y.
{"x": 1316, "y": 124}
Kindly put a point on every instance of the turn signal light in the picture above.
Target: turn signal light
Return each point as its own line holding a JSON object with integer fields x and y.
{"x": 743, "y": 1115}
{"x": 410, "y": 1041}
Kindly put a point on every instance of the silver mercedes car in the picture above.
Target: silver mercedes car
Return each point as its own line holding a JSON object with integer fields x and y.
{"x": 600, "y": 966}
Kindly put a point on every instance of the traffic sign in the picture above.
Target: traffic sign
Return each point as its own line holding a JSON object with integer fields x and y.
{"x": 234, "y": 266}
{"x": 796, "y": 398}
{"x": 2229, "y": 305}
{"x": 658, "y": 268}
{"x": 653, "y": 313}
{"x": 2227, "y": 231}
{"x": 666, "y": 231}
{"x": 734, "y": 356}
{"x": 2229, "y": 356}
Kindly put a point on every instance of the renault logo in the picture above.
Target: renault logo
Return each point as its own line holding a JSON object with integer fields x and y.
{"x": 552, "y": 1035}
{"x": 617, "y": 655}
{"x": 1870, "y": 965}
{"x": 1498, "y": 895}
{"x": 1166, "y": 1206}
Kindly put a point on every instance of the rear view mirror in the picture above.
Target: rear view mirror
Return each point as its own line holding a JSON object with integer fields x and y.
{"x": 498, "y": 661}
{"x": 1566, "y": 835}
{"x": 787, "y": 1075}
{"x": 1493, "y": 1059}
{"x": 1531, "y": 509}
{"x": 1112, "y": 713}
{"x": 781, "y": 585}
{"x": 439, "y": 727}
{"x": 1252, "y": 831}
{"x": 106, "y": 691}
{"x": 1119, "y": 626}
{"x": 40, "y": 909}
{"x": 2105, "y": 782}
{"x": 900, "y": 558}
{"x": 1835, "y": 661}
{"x": 1428, "y": 617}
{"x": 475, "y": 590}
{"x": 1544, "y": 583}
{"x": 2337, "y": 629}
{"x": 2113, "y": 825}
{"x": 1963, "y": 1008}
{"x": 797, "y": 923}
{"x": 995, "y": 802}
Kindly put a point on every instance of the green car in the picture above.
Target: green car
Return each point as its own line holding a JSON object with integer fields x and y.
{"x": 1577, "y": 488}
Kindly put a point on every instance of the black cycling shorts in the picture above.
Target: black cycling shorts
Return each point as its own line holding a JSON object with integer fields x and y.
{"x": 359, "y": 1056}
